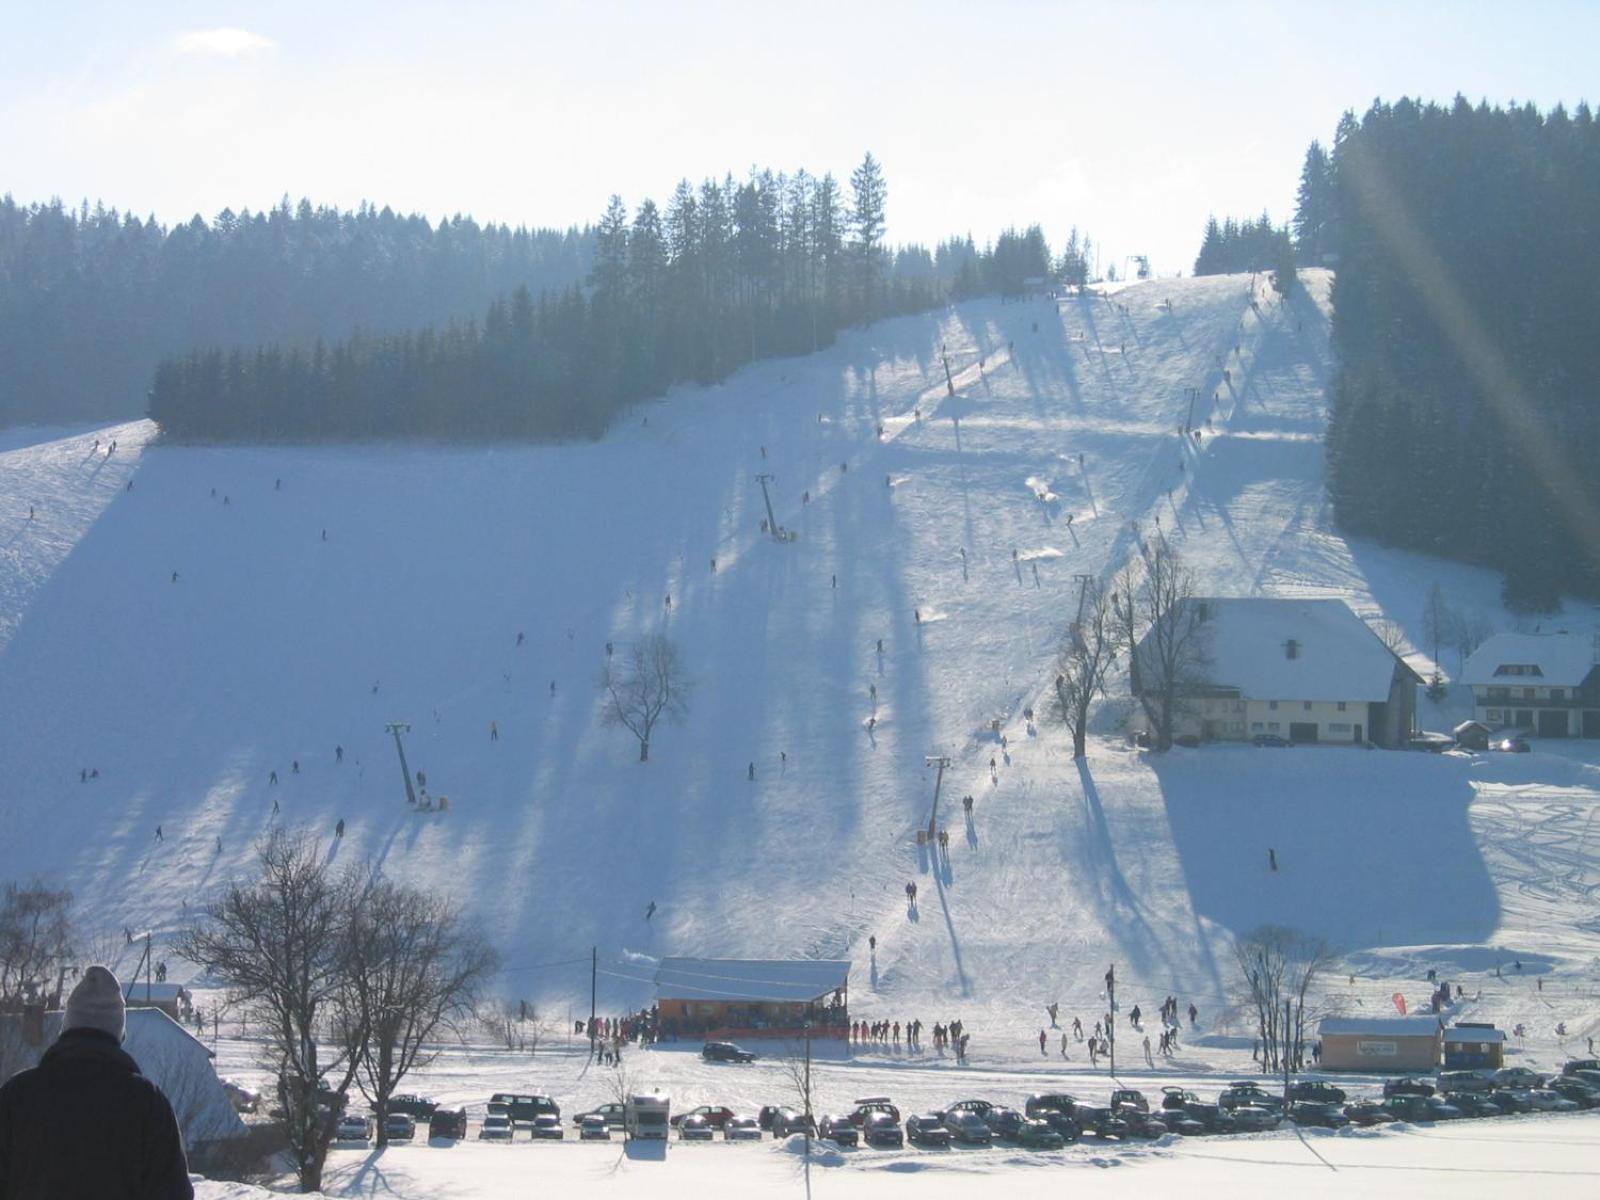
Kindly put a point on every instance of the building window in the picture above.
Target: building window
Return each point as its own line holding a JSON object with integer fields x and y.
{"x": 1273, "y": 705}
{"x": 1339, "y": 727}
{"x": 1491, "y": 714}
{"x": 1272, "y": 727}
{"x": 1308, "y": 705}
{"x": 1558, "y": 693}
{"x": 1529, "y": 693}
{"x": 1341, "y": 706}
{"x": 1256, "y": 727}
{"x": 1499, "y": 693}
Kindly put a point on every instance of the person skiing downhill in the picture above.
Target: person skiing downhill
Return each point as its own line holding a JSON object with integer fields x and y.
{"x": 1272, "y": 858}
{"x": 1041, "y": 1043}
{"x": 650, "y": 911}
{"x": 338, "y": 830}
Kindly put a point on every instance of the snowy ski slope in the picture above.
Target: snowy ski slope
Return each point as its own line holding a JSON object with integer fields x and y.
{"x": 275, "y": 644}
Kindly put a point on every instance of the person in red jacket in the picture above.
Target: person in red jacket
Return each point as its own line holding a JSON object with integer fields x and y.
{"x": 85, "y": 1123}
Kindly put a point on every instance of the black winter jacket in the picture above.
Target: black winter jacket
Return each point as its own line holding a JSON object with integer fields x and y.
{"x": 85, "y": 1125}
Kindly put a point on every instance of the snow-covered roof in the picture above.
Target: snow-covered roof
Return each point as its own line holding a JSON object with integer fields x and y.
{"x": 1287, "y": 649}
{"x": 1381, "y": 1026}
{"x": 1556, "y": 659}
{"x": 168, "y": 1055}
{"x": 140, "y": 992}
{"x": 750, "y": 979}
{"x": 1472, "y": 1033}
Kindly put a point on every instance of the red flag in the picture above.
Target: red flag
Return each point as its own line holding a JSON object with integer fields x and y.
{"x": 1399, "y": 1002}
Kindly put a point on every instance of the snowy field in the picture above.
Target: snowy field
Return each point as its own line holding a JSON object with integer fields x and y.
{"x": 240, "y": 611}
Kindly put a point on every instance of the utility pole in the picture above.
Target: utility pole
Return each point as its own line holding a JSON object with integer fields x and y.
{"x": 949, "y": 383}
{"x": 148, "y": 966}
{"x": 1188, "y": 424}
{"x": 1111, "y": 1016}
{"x": 941, "y": 761}
{"x": 594, "y": 971}
{"x": 1287, "y": 1044}
{"x": 397, "y": 728}
{"x": 772, "y": 521}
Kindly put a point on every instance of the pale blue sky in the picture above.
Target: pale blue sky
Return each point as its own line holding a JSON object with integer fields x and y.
{"x": 1131, "y": 120}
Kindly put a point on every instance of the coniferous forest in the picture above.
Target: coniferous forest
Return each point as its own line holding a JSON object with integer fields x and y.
{"x": 723, "y": 274}
{"x": 92, "y": 299}
{"x": 1464, "y": 412}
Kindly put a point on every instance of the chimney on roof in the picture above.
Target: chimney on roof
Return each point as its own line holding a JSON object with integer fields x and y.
{"x": 1291, "y": 648}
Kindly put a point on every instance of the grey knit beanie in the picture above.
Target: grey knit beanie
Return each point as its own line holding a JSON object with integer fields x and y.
{"x": 96, "y": 1003}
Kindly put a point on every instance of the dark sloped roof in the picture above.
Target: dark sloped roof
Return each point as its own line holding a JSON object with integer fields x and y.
{"x": 750, "y": 979}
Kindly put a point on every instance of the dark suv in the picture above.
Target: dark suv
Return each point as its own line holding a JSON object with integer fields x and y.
{"x": 447, "y": 1123}
{"x": 525, "y": 1109}
{"x": 412, "y": 1105}
{"x": 725, "y": 1052}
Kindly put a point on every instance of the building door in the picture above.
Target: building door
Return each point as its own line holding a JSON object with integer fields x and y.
{"x": 1552, "y": 722}
{"x": 1358, "y": 735}
{"x": 1302, "y": 731}
{"x": 1524, "y": 718}
{"x": 1591, "y": 723}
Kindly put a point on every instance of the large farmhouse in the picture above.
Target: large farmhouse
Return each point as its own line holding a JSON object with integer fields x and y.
{"x": 1305, "y": 670}
{"x": 1548, "y": 684}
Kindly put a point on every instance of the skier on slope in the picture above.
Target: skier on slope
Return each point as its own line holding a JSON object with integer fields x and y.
{"x": 650, "y": 911}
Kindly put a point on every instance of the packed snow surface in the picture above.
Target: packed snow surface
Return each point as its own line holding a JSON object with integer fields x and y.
{"x": 189, "y": 623}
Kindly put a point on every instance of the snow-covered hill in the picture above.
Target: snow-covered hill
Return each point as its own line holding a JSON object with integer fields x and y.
{"x": 237, "y": 611}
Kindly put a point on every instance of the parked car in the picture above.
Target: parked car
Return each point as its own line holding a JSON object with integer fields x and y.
{"x": 1421, "y": 1108}
{"x": 1580, "y": 1093}
{"x": 1465, "y": 1081}
{"x": 1237, "y": 1095}
{"x": 716, "y": 1115}
{"x": 1255, "y": 1118}
{"x": 880, "y": 1129}
{"x": 1515, "y": 744}
{"x": 982, "y": 1108}
{"x": 1212, "y": 1118}
{"x": 1129, "y": 1098}
{"x": 1407, "y": 1085}
{"x": 840, "y": 1129}
{"x": 447, "y": 1123}
{"x": 243, "y": 1099}
{"x": 1034, "y": 1134}
{"x": 1436, "y": 743}
{"x": 352, "y": 1128}
{"x": 612, "y": 1114}
{"x": 400, "y": 1127}
{"x": 967, "y": 1127}
{"x": 1004, "y": 1123}
{"x": 594, "y": 1129}
{"x": 1323, "y": 1114}
{"x": 1316, "y": 1090}
{"x": 928, "y": 1130}
{"x": 787, "y": 1121}
{"x": 726, "y": 1052}
{"x": 1176, "y": 1099}
{"x": 695, "y": 1129}
{"x": 1513, "y": 1100}
{"x": 742, "y": 1129}
{"x": 1580, "y": 1064}
{"x": 1519, "y": 1077}
{"x": 496, "y": 1127}
{"x": 1585, "y": 1075}
{"x": 412, "y": 1105}
{"x": 871, "y": 1105}
{"x": 1366, "y": 1113}
{"x": 1475, "y": 1104}
{"x": 1547, "y": 1100}
{"x": 1440, "y": 1109}
{"x": 1142, "y": 1124}
{"x": 523, "y": 1108}
{"x": 1041, "y": 1103}
{"x": 547, "y": 1128}
{"x": 1101, "y": 1122}
{"x": 1271, "y": 740}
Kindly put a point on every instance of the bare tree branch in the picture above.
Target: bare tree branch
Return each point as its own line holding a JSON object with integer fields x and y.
{"x": 648, "y": 685}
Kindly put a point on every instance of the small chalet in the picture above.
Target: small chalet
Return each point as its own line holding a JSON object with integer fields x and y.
{"x": 1305, "y": 670}
{"x": 1546, "y": 683}
{"x": 1474, "y": 1046}
{"x": 753, "y": 997}
{"x": 1379, "y": 1044}
{"x": 171, "y": 998}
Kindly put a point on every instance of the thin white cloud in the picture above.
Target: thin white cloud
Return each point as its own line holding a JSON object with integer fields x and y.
{"x": 224, "y": 43}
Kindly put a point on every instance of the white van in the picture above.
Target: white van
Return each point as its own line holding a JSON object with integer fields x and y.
{"x": 647, "y": 1116}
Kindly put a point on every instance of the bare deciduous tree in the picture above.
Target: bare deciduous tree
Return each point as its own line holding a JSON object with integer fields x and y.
{"x": 281, "y": 945}
{"x": 1438, "y": 621}
{"x": 1162, "y": 625}
{"x": 35, "y": 940}
{"x": 516, "y": 1024}
{"x": 1086, "y": 655}
{"x": 1279, "y": 967}
{"x": 1391, "y": 633}
{"x": 647, "y": 685}
{"x": 412, "y": 966}
{"x": 1471, "y": 631}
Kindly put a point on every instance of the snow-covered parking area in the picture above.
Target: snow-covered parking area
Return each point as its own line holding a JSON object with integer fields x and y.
{"x": 1467, "y": 1159}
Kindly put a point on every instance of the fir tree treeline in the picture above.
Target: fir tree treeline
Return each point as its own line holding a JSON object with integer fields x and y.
{"x": 723, "y": 274}
{"x": 1231, "y": 246}
{"x": 1464, "y": 410}
{"x": 92, "y": 299}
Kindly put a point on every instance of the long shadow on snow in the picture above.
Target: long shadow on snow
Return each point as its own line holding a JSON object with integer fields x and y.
{"x": 1373, "y": 848}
